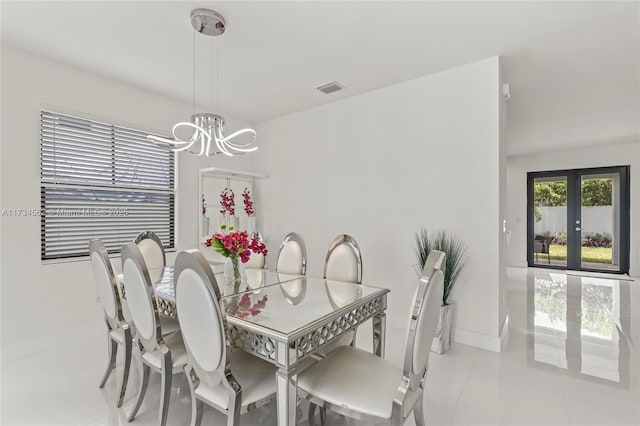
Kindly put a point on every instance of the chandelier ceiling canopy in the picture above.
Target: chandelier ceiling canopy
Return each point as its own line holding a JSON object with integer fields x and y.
{"x": 207, "y": 129}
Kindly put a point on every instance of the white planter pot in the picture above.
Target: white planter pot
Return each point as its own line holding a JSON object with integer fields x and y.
{"x": 230, "y": 221}
{"x": 251, "y": 224}
{"x": 205, "y": 226}
{"x": 442, "y": 340}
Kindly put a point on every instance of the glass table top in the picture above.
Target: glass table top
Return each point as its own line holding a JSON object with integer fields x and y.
{"x": 256, "y": 278}
{"x": 290, "y": 306}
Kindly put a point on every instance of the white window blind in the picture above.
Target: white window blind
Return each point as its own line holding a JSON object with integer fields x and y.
{"x": 104, "y": 181}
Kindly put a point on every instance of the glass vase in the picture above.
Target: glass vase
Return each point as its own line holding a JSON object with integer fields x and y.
{"x": 235, "y": 275}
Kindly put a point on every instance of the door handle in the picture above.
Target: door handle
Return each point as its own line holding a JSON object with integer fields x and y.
{"x": 578, "y": 228}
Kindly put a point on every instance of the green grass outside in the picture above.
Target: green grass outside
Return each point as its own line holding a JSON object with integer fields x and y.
{"x": 589, "y": 254}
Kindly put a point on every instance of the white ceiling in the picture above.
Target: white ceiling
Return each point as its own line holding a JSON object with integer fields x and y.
{"x": 573, "y": 67}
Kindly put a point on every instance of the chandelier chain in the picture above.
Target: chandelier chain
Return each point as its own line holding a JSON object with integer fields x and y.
{"x": 194, "y": 72}
{"x": 217, "y": 74}
{"x": 207, "y": 135}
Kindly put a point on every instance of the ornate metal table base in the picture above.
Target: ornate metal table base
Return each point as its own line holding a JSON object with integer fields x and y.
{"x": 286, "y": 352}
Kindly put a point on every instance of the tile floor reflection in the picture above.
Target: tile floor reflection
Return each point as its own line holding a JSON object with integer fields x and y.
{"x": 581, "y": 324}
{"x": 572, "y": 359}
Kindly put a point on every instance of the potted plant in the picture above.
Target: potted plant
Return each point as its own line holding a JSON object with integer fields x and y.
{"x": 228, "y": 209}
{"x": 248, "y": 209}
{"x": 453, "y": 246}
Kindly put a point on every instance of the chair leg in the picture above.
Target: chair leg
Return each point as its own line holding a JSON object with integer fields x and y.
{"x": 196, "y": 411}
{"x": 128, "y": 343}
{"x": 144, "y": 382}
{"x": 353, "y": 339}
{"x": 418, "y": 411}
{"x": 196, "y": 404}
{"x": 165, "y": 389}
{"x": 113, "y": 351}
{"x": 312, "y": 414}
{"x": 235, "y": 402}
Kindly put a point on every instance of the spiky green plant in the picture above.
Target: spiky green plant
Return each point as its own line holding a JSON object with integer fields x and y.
{"x": 447, "y": 242}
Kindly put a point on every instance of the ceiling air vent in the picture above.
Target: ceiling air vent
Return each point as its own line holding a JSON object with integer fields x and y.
{"x": 334, "y": 86}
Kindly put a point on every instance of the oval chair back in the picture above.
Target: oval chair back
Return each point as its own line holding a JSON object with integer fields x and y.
{"x": 344, "y": 260}
{"x": 201, "y": 322}
{"x": 152, "y": 250}
{"x": 106, "y": 282}
{"x": 139, "y": 293}
{"x": 423, "y": 321}
{"x": 342, "y": 264}
{"x": 292, "y": 256}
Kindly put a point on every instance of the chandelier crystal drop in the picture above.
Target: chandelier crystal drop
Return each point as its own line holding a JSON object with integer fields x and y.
{"x": 207, "y": 129}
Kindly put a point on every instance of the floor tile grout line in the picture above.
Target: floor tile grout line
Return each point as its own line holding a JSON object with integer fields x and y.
{"x": 473, "y": 364}
{"x": 62, "y": 345}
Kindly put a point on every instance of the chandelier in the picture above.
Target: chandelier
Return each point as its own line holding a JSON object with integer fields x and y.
{"x": 207, "y": 129}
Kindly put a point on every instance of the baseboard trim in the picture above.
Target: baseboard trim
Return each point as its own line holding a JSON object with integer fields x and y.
{"x": 24, "y": 348}
{"x": 478, "y": 340}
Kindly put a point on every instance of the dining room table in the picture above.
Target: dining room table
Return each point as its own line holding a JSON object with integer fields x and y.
{"x": 287, "y": 319}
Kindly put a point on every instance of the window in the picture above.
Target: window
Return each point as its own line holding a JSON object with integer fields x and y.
{"x": 104, "y": 181}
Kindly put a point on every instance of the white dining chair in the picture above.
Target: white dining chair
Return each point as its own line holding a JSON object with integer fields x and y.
{"x": 344, "y": 264}
{"x": 152, "y": 250}
{"x": 358, "y": 384}
{"x": 227, "y": 380}
{"x": 257, "y": 260}
{"x": 164, "y": 354}
{"x": 118, "y": 330}
{"x": 344, "y": 260}
{"x": 155, "y": 259}
{"x": 435, "y": 260}
{"x": 292, "y": 256}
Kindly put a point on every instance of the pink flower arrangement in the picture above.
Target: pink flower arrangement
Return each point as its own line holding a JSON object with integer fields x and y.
{"x": 248, "y": 204}
{"x": 236, "y": 245}
{"x": 227, "y": 201}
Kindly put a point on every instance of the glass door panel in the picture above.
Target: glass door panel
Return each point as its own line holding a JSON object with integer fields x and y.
{"x": 600, "y": 222}
{"x": 550, "y": 227}
{"x": 579, "y": 219}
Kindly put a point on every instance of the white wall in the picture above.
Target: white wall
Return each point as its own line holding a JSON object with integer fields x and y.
{"x": 382, "y": 164}
{"x": 594, "y": 156}
{"x": 44, "y": 305}
{"x": 503, "y": 313}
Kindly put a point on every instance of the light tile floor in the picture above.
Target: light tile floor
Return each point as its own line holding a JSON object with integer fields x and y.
{"x": 572, "y": 359}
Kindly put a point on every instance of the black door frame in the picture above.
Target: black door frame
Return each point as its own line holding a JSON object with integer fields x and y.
{"x": 574, "y": 261}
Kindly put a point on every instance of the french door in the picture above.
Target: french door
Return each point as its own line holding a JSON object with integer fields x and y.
{"x": 579, "y": 219}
